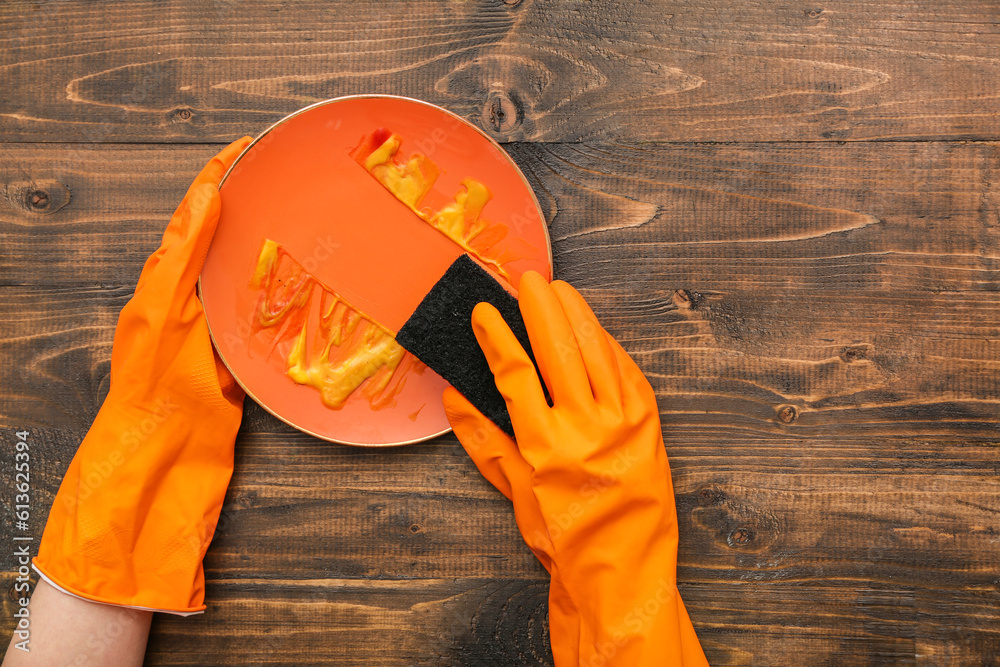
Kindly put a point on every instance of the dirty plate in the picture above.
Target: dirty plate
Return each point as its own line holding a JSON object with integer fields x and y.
{"x": 298, "y": 186}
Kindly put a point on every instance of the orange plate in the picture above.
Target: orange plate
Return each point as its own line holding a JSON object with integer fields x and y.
{"x": 297, "y": 181}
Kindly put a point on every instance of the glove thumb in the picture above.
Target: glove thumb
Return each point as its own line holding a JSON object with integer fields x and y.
{"x": 490, "y": 448}
{"x": 498, "y": 459}
{"x": 174, "y": 268}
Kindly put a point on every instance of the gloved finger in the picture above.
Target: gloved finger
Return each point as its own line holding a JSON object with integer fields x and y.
{"x": 174, "y": 268}
{"x": 636, "y": 390}
{"x": 220, "y": 164}
{"x": 513, "y": 371}
{"x": 498, "y": 459}
{"x": 598, "y": 355}
{"x": 211, "y": 173}
{"x": 487, "y": 445}
{"x": 554, "y": 344}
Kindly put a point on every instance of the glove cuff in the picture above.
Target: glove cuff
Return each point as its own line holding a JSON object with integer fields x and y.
{"x": 92, "y": 598}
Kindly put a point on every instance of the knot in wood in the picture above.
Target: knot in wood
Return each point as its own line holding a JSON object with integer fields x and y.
{"x": 414, "y": 528}
{"x": 500, "y": 114}
{"x": 183, "y": 114}
{"x": 512, "y": 3}
{"x": 854, "y": 353}
{"x": 787, "y": 414}
{"x": 38, "y": 200}
{"x": 682, "y": 299}
{"x": 741, "y": 537}
{"x": 710, "y": 496}
{"x": 43, "y": 196}
{"x": 814, "y": 13}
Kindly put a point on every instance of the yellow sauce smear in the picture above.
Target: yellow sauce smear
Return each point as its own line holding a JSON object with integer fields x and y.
{"x": 410, "y": 181}
{"x": 356, "y": 352}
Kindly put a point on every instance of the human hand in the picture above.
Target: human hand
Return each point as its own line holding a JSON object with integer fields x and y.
{"x": 588, "y": 477}
{"x": 139, "y": 503}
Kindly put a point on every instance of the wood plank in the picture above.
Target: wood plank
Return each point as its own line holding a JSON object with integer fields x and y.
{"x": 337, "y": 622}
{"x": 926, "y": 209}
{"x": 332, "y": 621}
{"x": 898, "y": 531}
{"x": 100, "y": 213}
{"x": 831, "y": 280}
{"x": 857, "y": 284}
{"x": 831, "y": 568}
{"x": 671, "y": 70}
{"x": 497, "y": 622}
{"x": 792, "y": 510}
{"x": 791, "y": 625}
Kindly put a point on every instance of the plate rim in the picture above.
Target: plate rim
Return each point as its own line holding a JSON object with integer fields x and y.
{"x": 332, "y": 100}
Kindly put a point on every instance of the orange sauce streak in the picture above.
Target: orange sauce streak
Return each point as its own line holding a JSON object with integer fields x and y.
{"x": 410, "y": 181}
{"x": 356, "y": 353}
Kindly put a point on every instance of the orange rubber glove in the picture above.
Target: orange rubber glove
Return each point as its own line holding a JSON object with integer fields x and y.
{"x": 139, "y": 503}
{"x": 589, "y": 480}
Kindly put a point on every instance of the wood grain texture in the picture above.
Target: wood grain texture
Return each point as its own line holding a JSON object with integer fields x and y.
{"x": 852, "y": 289}
{"x": 857, "y": 285}
{"x": 818, "y": 309}
{"x": 679, "y": 70}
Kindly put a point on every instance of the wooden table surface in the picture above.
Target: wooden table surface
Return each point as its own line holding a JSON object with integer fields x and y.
{"x": 786, "y": 211}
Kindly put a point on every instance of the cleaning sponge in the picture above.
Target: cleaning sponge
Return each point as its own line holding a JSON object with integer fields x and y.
{"x": 439, "y": 333}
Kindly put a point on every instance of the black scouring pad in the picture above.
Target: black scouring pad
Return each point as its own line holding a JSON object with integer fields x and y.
{"x": 439, "y": 333}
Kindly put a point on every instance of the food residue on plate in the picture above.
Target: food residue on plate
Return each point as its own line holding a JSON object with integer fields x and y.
{"x": 409, "y": 181}
{"x": 348, "y": 350}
